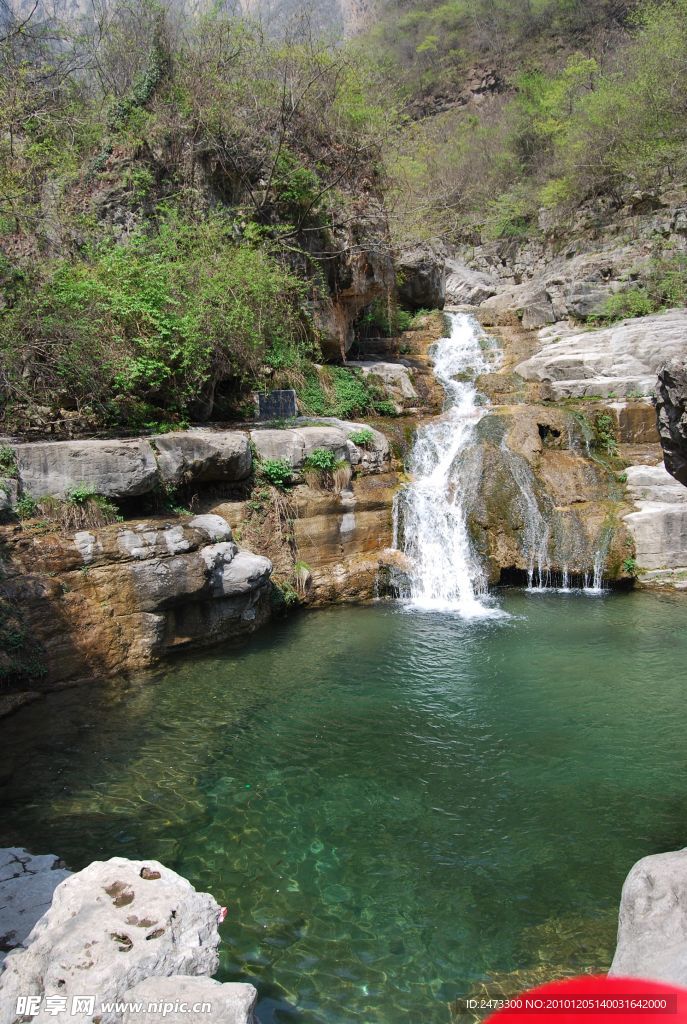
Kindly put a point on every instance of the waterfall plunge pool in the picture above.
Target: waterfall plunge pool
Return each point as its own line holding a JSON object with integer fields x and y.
{"x": 394, "y": 806}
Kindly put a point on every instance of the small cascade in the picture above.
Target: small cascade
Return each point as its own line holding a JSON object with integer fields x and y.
{"x": 596, "y": 584}
{"x": 537, "y": 526}
{"x": 446, "y": 574}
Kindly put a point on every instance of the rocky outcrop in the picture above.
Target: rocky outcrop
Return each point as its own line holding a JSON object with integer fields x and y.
{"x": 396, "y": 378}
{"x": 203, "y": 456}
{"x": 358, "y": 268}
{"x": 658, "y": 525}
{"x": 421, "y": 277}
{"x": 653, "y": 920}
{"x": 466, "y": 287}
{"x": 128, "y": 469}
{"x": 618, "y": 361}
{"x": 571, "y": 269}
{"x": 118, "y": 598}
{"x": 294, "y": 445}
{"x": 115, "y": 469}
{"x": 27, "y": 884}
{"x": 671, "y": 409}
{"x": 539, "y": 508}
{"x": 576, "y": 287}
{"x": 110, "y": 929}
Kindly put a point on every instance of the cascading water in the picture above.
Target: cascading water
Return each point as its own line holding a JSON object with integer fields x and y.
{"x": 446, "y": 574}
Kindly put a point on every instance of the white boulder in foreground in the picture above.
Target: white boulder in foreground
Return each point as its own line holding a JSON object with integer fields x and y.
{"x": 111, "y": 927}
{"x": 652, "y": 926}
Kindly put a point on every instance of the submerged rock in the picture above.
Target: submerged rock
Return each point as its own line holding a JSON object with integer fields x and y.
{"x": 653, "y": 920}
{"x": 671, "y": 409}
{"x": 111, "y": 927}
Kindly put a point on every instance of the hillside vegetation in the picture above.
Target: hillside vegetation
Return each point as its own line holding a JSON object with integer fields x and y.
{"x": 590, "y": 101}
{"x": 174, "y": 197}
{"x": 181, "y": 197}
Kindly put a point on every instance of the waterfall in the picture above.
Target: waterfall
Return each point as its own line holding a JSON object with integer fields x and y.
{"x": 537, "y": 528}
{"x": 446, "y": 574}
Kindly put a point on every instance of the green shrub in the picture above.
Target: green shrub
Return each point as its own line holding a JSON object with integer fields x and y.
{"x": 26, "y": 507}
{"x": 321, "y": 459}
{"x": 277, "y": 471}
{"x": 362, "y": 438}
{"x": 630, "y": 566}
{"x": 154, "y": 323}
{"x": 8, "y": 462}
{"x": 604, "y": 434}
{"x": 322, "y": 469}
{"x": 385, "y": 407}
{"x": 22, "y": 658}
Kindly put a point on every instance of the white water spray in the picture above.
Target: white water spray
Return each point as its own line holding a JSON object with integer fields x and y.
{"x": 446, "y": 574}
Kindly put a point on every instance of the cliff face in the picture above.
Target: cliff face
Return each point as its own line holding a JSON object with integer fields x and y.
{"x": 98, "y": 600}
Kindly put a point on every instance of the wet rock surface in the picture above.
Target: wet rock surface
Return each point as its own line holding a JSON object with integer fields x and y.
{"x": 671, "y": 409}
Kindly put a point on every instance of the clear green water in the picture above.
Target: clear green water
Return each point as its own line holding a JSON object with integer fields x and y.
{"x": 393, "y": 805}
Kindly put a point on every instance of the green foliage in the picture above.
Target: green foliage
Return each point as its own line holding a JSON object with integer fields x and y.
{"x": 26, "y": 507}
{"x": 604, "y": 434}
{"x": 283, "y": 596}
{"x": 277, "y": 471}
{"x": 663, "y": 286}
{"x": 337, "y": 391}
{"x": 8, "y": 462}
{"x": 363, "y": 438}
{"x": 592, "y": 127}
{"x": 630, "y": 566}
{"x": 154, "y": 324}
{"x": 321, "y": 459}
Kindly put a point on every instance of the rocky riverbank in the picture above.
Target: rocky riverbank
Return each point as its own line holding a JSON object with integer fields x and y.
{"x": 136, "y": 934}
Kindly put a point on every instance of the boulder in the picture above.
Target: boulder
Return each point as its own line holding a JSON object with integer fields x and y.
{"x": 214, "y": 1003}
{"x": 618, "y": 361}
{"x": 653, "y": 920}
{"x": 394, "y": 376}
{"x": 421, "y": 275}
{"x": 116, "y": 469}
{"x": 466, "y": 287}
{"x": 671, "y": 410}
{"x": 203, "y": 456}
{"x": 27, "y": 884}
{"x": 8, "y": 493}
{"x": 659, "y": 523}
{"x": 111, "y": 926}
{"x": 294, "y": 444}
